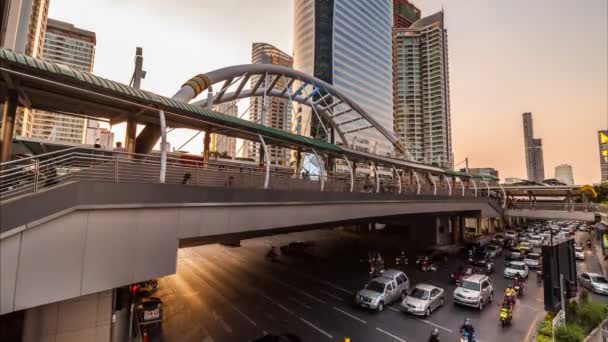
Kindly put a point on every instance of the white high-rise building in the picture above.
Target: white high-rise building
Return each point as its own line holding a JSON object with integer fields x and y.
{"x": 66, "y": 44}
{"x": 564, "y": 174}
{"x": 348, "y": 43}
{"x": 221, "y": 144}
{"x": 422, "y": 120}
{"x": 275, "y": 112}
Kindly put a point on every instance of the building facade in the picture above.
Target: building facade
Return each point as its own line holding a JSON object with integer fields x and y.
{"x": 347, "y": 43}
{"x": 68, "y": 45}
{"x": 603, "y": 145}
{"x": 564, "y": 174}
{"x": 534, "y": 151}
{"x": 272, "y": 112}
{"x": 422, "y": 119}
{"x": 221, "y": 144}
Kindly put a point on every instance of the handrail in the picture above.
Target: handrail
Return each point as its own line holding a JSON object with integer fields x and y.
{"x": 38, "y": 156}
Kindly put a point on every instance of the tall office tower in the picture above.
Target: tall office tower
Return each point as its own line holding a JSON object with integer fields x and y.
{"x": 347, "y": 43}
{"x": 22, "y": 29}
{"x": 221, "y": 144}
{"x": 66, "y": 44}
{"x": 534, "y": 151}
{"x": 564, "y": 174}
{"x": 603, "y": 143}
{"x": 272, "y": 112}
{"x": 422, "y": 120}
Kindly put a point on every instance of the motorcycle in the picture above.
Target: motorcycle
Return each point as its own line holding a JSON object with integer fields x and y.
{"x": 506, "y": 314}
{"x": 426, "y": 266}
{"x": 401, "y": 260}
{"x": 467, "y": 337}
{"x": 153, "y": 283}
{"x": 519, "y": 289}
{"x": 271, "y": 255}
{"x": 539, "y": 276}
{"x": 589, "y": 244}
{"x": 376, "y": 270}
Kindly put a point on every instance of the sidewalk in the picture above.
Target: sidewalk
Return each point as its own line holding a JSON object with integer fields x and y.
{"x": 600, "y": 258}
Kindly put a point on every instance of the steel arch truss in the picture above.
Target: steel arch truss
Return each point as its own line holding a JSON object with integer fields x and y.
{"x": 261, "y": 80}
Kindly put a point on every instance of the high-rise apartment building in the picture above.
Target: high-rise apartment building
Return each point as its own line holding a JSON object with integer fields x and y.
{"x": 404, "y": 14}
{"x": 22, "y": 29}
{"x": 422, "y": 120}
{"x": 564, "y": 174}
{"x": 66, "y": 44}
{"x": 348, "y": 43}
{"x": 534, "y": 151}
{"x": 603, "y": 144}
{"x": 272, "y": 112}
{"x": 221, "y": 144}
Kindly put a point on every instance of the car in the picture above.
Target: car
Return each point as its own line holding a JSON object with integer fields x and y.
{"x": 383, "y": 290}
{"x": 524, "y": 246}
{"x": 297, "y": 249}
{"x": 500, "y": 239}
{"x": 597, "y": 283}
{"x": 474, "y": 291}
{"x": 423, "y": 300}
{"x": 510, "y": 234}
{"x": 579, "y": 253}
{"x": 494, "y": 251}
{"x": 465, "y": 271}
{"x": 514, "y": 254}
{"x": 482, "y": 259}
{"x": 536, "y": 240}
{"x": 516, "y": 267}
{"x": 533, "y": 260}
{"x": 583, "y": 228}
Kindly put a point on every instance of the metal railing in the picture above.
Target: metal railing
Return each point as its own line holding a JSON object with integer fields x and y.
{"x": 29, "y": 175}
{"x": 562, "y": 206}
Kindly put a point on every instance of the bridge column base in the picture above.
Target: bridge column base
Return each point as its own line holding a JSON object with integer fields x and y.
{"x": 87, "y": 318}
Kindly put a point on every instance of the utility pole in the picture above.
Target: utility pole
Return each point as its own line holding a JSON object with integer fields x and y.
{"x": 466, "y": 161}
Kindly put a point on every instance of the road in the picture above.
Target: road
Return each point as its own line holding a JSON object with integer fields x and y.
{"x": 234, "y": 294}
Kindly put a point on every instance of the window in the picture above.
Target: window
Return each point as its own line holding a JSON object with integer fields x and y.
{"x": 434, "y": 293}
{"x": 485, "y": 285}
{"x": 389, "y": 287}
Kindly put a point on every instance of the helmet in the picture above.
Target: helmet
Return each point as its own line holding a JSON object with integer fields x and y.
{"x": 467, "y": 321}
{"x": 435, "y": 332}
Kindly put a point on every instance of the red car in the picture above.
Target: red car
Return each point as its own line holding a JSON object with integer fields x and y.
{"x": 465, "y": 271}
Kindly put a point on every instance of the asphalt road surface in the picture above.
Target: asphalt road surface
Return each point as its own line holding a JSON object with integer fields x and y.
{"x": 233, "y": 294}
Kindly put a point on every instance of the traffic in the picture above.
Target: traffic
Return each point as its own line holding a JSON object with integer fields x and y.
{"x": 373, "y": 286}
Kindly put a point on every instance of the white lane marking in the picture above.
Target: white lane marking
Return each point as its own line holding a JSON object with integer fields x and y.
{"x": 350, "y": 315}
{"x": 327, "y": 293}
{"x": 284, "y": 308}
{"x": 391, "y": 335}
{"x": 312, "y": 297}
{"x": 299, "y": 302}
{"x": 435, "y": 325}
{"x": 317, "y": 328}
{"x": 223, "y": 323}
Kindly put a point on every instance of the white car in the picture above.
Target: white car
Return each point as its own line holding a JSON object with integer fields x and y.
{"x": 511, "y": 234}
{"x": 516, "y": 267}
{"x": 533, "y": 260}
{"x": 579, "y": 253}
{"x": 475, "y": 291}
{"x": 583, "y": 228}
{"x": 423, "y": 300}
{"x": 595, "y": 282}
{"x": 494, "y": 251}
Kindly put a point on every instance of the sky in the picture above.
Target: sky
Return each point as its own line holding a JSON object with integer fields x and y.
{"x": 548, "y": 57}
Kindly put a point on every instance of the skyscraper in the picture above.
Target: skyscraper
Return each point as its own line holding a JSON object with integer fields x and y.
{"x": 271, "y": 112}
{"x": 534, "y": 151}
{"x": 603, "y": 144}
{"x": 347, "y": 43}
{"x": 564, "y": 174}
{"x": 221, "y": 144}
{"x": 66, "y": 44}
{"x": 422, "y": 120}
{"x": 23, "y": 25}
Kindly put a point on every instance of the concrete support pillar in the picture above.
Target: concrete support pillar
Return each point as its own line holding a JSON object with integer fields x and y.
{"x": 298, "y": 163}
{"x": 9, "y": 116}
{"x": 462, "y": 223}
{"x": 455, "y": 225}
{"x": 262, "y": 157}
{"x": 206, "y": 148}
{"x": 131, "y": 135}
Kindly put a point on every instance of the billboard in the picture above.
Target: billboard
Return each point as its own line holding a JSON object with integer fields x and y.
{"x": 603, "y": 144}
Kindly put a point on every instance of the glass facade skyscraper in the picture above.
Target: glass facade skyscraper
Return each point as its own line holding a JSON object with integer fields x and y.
{"x": 348, "y": 43}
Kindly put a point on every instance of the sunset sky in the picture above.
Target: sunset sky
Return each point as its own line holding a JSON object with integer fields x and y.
{"x": 549, "y": 57}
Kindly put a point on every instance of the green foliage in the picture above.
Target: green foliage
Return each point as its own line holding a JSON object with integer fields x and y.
{"x": 543, "y": 338}
{"x": 602, "y": 193}
{"x": 584, "y": 297}
{"x": 545, "y": 329}
{"x": 590, "y": 315}
{"x": 569, "y": 333}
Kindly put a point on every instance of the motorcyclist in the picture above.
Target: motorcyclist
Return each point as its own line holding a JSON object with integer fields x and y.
{"x": 539, "y": 276}
{"x": 510, "y": 294}
{"x": 588, "y": 243}
{"x": 434, "y": 335}
{"x": 469, "y": 329}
